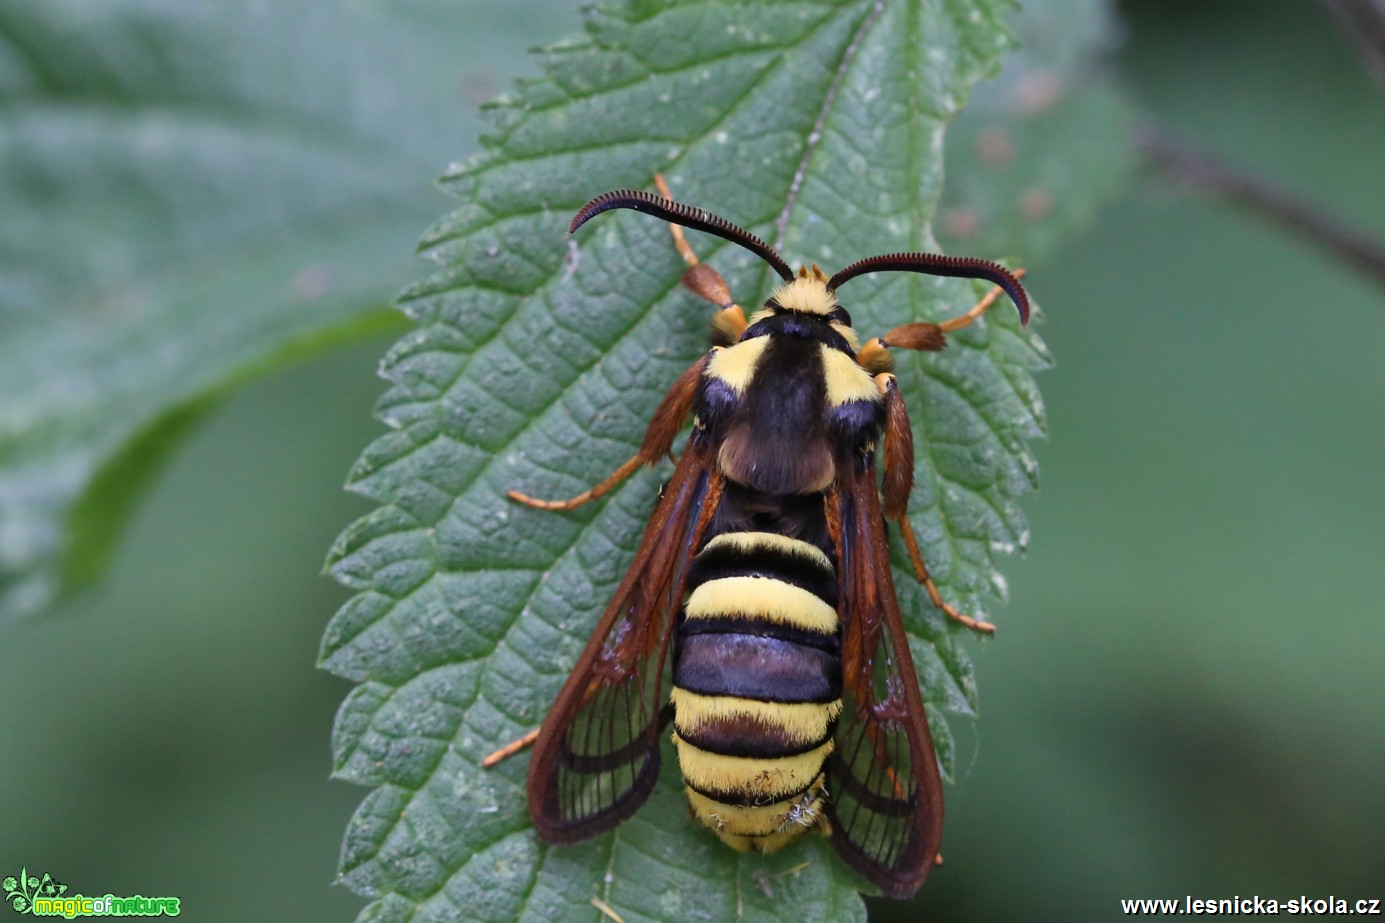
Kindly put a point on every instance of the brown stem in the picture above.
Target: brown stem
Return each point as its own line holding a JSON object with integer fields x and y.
{"x": 1206, "y": 173}
{"x": 1364, "y": 23}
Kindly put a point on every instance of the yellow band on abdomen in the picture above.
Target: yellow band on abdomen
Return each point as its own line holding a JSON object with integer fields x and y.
{"x": 763, "y": 780}
{"x": 761, "y": 598}
{"x": 798, "y": 722}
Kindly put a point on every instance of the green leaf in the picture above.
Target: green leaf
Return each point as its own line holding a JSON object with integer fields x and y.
{"x": 192, "y": 193}
{"x": 1042, "y": 147}
{"x": 536, "y": 363}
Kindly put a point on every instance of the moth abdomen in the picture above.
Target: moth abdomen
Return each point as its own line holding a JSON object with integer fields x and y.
{"x": 757, "y": 685}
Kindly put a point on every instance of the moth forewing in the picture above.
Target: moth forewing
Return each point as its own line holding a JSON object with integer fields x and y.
{"x": 597, "y": 753}
{"x": 886, "y": 810}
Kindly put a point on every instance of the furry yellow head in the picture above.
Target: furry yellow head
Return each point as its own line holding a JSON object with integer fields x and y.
{"x": 807, "y": 294}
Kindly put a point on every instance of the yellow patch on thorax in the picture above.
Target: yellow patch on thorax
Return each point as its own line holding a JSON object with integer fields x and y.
{"x": 846, "y": 381}
{"x": 761, "y": 598}
{"x": 846, "y": 333}
{"x": 735, "y": 364}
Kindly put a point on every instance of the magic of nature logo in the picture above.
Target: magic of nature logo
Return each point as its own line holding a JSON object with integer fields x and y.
{"x": 45, "y": 896}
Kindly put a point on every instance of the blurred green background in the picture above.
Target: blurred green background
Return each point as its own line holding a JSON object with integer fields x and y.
{"x": 1186, "y": 693}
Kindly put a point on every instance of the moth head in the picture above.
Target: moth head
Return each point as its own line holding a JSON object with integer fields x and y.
{"x": 808, "y": 294}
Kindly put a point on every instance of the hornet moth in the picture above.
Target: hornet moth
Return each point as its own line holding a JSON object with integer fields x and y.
{"x": 763, "y": 579}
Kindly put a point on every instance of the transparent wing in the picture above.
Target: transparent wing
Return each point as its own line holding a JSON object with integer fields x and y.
{"x": 886, "y": 806}
{"x": 597, "y": 754}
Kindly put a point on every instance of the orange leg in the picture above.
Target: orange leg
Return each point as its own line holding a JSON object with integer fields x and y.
{"x": 911, "y": 542}
{"x": 510, "y": 749}
{"x": 896, "y": 487}
{"x": 607, "y": 910}
{"x": 658, "y": 441}
{"x": 685, "y": 250}
{"x": 620, "y": 474}
{"x": 704, "y": 281}
{"x": 874, "y": 357}
{"x": 957, "y": 323}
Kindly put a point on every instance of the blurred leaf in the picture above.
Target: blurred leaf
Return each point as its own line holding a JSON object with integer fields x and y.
{"x": 192, "y": 193}
{"x": 819, "y": 127}
{"x": 1039, "y": 149}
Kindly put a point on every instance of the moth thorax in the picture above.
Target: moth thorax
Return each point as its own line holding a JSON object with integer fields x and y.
{"x": 807, "y": 293}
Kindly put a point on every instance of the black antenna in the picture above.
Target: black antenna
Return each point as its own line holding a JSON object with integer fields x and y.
{"x": 937, "y": 264}
{"x": 689, "y": 217}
